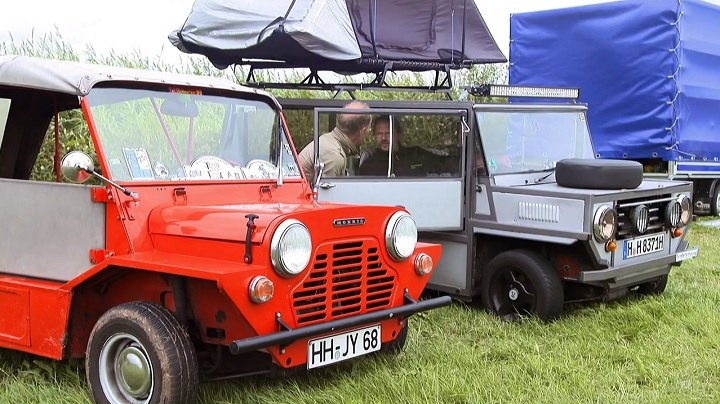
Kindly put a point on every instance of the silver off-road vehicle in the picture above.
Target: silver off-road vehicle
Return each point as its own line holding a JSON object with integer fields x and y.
{"x": 528, "y": 218}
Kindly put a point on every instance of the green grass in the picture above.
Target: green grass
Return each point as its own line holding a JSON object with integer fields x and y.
{"x": 663, "y": 349}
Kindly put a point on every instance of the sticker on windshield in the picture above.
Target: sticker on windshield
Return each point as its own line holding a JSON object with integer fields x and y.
{"x": 138, "y": 163}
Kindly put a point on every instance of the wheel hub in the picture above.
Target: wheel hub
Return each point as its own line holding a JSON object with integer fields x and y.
{"x": 513, "y": 294}
{"x": 133, "y": 371}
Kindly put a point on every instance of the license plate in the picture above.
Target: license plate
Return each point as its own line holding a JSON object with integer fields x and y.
{"x": 686, "y": 255}
{"x": 643, "y": 245}
{"x": 339, "y": 347}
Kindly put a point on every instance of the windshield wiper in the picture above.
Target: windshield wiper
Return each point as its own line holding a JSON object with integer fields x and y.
{"x": 544, "y": 177}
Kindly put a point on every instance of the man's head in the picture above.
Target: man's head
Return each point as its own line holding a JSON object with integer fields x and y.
{"x": 356, "y": 126}
{"x": 381, "y": 128}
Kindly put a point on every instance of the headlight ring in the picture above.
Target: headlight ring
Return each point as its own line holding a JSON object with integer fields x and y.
{"x": 290, "y": 248}
{"x": 604, "y": 223}
{"x": 401, "y": 236}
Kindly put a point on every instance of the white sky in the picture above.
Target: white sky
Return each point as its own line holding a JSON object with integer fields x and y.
{"x": 143, "y": 25}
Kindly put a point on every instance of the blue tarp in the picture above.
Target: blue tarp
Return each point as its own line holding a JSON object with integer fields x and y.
{"x": 649, "y": 71}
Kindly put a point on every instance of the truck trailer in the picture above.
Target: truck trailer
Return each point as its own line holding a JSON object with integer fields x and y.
{"x": 647, "y": 71}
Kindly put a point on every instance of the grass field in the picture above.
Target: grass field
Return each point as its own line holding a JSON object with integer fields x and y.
{"x": 663, "y": 349}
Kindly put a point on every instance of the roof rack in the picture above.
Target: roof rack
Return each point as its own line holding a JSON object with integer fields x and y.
{"x": 442, "y": 82}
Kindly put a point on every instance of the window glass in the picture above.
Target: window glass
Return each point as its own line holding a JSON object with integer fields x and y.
{"x": 525, "y": 141}
{"x": 186, "y": 135}
{"x": 4, "y": 110}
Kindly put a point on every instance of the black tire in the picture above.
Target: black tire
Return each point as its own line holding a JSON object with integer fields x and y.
{"x": 598, "y": 173}
{"x": 150, "y": 336}
{"x": 520, "y": 283}
{"x": 655, "y": 287}
{"x": 715, "y": 201}
{"x": 396, "y": 346}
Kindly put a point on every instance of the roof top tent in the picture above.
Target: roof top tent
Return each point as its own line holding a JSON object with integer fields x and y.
{"x": 342, "y": 36}
{"x": 648, "y": 71}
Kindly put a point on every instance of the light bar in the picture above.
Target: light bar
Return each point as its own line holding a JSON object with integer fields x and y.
{"x": 497, "y": 90}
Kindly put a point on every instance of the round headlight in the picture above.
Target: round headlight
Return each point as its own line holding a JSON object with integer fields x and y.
{"x": 290, "y": 248}
{"x": 604, "y": 223}
{"x": 401, "y": 236}
{"x": 686, "y": 209}
{"x": 640, "y": 217}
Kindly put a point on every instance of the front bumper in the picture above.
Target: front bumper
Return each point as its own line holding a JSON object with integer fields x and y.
{"x": 649, "y": 268}
{"x": 290, "y": 335}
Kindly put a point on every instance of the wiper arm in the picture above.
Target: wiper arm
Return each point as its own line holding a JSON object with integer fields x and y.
{"x": 544, "y": 177}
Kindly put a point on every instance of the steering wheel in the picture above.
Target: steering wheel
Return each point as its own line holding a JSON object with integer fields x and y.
{"x": 262, "y": 168}
{"x": 215, "y": 167}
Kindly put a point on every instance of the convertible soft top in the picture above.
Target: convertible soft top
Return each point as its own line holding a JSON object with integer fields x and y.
{"x": 345, "y": 36}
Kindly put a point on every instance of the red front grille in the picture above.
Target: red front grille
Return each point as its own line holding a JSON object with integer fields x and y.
{"x": 345, "y": 278}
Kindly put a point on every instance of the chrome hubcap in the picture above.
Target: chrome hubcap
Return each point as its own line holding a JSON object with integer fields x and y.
{"x": 126, "y": 373}
{"x": 513, "y": 294}
{"x": 132, "y": 370}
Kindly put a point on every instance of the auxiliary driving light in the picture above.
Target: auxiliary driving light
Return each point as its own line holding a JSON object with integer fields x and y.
{"x": 423, "y": 264}
{"x": 640, "y": 217}
{"x": 261, "y": 289}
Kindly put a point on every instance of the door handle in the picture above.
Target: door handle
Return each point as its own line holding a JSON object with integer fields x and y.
{"x": 325, "y": 185}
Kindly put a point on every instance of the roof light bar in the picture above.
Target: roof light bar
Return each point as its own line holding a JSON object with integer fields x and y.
{"x": 497, "y": 90}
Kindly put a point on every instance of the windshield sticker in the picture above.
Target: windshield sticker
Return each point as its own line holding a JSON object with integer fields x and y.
{"x": 138, "y": 163}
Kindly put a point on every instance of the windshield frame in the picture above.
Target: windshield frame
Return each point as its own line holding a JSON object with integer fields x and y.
{"x": 275, "y": 118}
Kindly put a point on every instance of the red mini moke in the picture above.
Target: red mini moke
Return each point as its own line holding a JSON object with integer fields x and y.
{"x": 195, "y": 247}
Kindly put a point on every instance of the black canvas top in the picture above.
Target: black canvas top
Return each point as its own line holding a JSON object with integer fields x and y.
{"x": 346, "y": 36}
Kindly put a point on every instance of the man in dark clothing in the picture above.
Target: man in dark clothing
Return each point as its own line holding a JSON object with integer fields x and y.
{"x": 407, "y": 161}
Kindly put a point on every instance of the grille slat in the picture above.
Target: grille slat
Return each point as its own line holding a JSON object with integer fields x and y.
{"x": 346, "y": 278}
{"x": 656, "y": 207}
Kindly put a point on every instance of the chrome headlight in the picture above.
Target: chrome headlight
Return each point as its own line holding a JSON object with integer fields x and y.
{"x": 290, "y": 248}
{"x": 678, "y": 212}
{"x": 640, "y": 217}
{"x": 686, "y": 206}
{"x": 604, "y": 223}
{"x": 401, "y": 236}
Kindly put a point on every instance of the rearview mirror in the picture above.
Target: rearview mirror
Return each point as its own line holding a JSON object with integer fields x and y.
{"x": 182, "y": 107}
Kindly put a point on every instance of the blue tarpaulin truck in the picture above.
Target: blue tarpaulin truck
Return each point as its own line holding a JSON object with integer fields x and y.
{"x": 649, "y": 71}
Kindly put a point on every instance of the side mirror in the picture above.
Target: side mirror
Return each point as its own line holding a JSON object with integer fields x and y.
{"x": 77, "y": 167}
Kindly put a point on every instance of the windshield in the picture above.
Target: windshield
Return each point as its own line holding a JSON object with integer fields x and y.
{"x": 185, "y": 135}
{"x": 526, "y": 141}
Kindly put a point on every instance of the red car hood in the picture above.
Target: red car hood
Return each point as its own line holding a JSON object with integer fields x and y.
{"x": 220, "y": 222}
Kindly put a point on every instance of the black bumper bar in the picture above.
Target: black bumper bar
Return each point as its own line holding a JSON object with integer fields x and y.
{"x": 291, "y": 335}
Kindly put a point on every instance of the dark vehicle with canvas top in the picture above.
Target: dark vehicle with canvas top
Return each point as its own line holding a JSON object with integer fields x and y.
{"x": 529, "y": 220}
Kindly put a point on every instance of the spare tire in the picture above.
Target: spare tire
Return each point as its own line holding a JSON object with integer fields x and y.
{"x": 598, "y": 173}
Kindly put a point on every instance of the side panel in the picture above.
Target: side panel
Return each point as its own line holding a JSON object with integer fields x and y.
{"x": 15, "y": 319}
{"x": 49, "y": 229}
{"x": 434, "y": 204}
{"x": 34, "y": 316}
{"x": 451, "y": 271}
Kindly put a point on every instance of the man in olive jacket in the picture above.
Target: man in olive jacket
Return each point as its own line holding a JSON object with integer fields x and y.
{"x": 339, "y": 144}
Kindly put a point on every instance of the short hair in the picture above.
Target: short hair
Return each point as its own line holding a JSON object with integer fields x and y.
{"x": 352, "y": 123}
{"x": 397, "y": 123}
